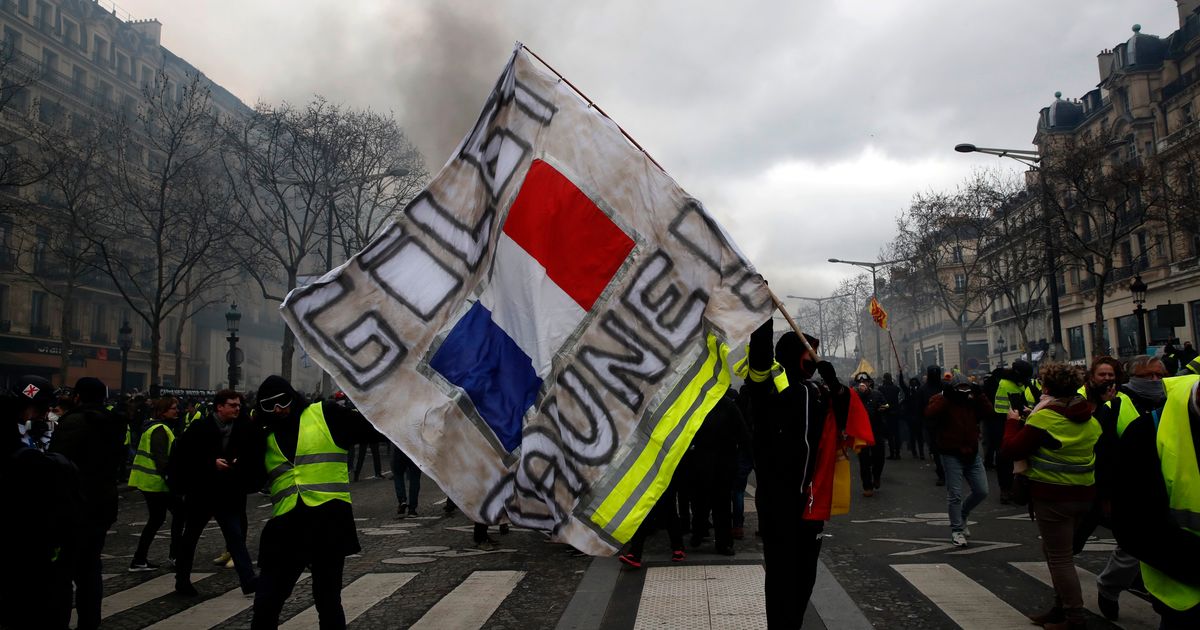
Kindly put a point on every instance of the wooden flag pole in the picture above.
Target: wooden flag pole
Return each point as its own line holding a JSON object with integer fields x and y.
{"x": 899, "y": 366}
{"x": 804, "y": 340}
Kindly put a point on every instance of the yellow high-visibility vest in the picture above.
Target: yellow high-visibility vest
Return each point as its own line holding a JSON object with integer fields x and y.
{"x": 144, "y": 474}
{"x": 317, "y": 474}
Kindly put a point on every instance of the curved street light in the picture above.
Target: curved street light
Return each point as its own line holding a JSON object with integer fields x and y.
{"x": 1033, "y": 160}
{"x": 874, "y": 288}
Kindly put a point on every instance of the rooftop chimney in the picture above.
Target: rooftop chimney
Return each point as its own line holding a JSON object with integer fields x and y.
{"x": 1105, "y": 61}
{"x": 151, "y": 29}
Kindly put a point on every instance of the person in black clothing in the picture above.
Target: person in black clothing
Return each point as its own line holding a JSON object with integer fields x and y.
{"x": 44, "y": 494}
{"x": 914, "y": 416}
{"x": 665, "y": 515}
{"x": 870, "y": 458}
{"x": 714, "y": 455}
{"x": 788, "y": 422}
{"x": 892, "y": 416}
{"x": 210, "y": 468}
{"x": 315, "y": 536}
{"x": 93, "y": 439}
{"x": 930, "y": 388}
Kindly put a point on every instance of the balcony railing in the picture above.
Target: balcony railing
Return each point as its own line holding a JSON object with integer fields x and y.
{"x": 99, "y": 337}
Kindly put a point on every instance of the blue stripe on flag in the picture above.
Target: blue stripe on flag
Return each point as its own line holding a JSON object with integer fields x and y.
{"x": 498, "y": 377}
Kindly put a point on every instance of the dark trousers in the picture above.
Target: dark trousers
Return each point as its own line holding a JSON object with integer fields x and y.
{"x": 893, "y": 425}
{"x": 230, "y": 514}
{"x": 85, "y": 568}
{"x": 159, "y": 503}
{"x": 713, "y": 498}
{"x": 870, "y": 465}
{"x": 916, "y": 436}
{"x": 1004, "y": 467}
{"x": 279, "y": 578}
{"x": 791, "y": 549}
{"x": 662, "y": 515}
{"x": 403, "y": 467}
{"x": 362, "y": 456}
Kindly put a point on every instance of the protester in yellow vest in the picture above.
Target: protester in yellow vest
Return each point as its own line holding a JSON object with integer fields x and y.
{"x": 304, "y": 450}
{"x": 149, "y": 474}
{"x": 1013, "y": 385}
{"x": 1156, "y": 507}
{"x": 1058, "y": 441}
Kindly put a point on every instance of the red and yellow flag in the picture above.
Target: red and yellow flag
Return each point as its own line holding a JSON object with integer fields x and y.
{"x": 878, "y": 314}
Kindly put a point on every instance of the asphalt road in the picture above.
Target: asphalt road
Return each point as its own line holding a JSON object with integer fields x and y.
{"x": 888, "y": 564}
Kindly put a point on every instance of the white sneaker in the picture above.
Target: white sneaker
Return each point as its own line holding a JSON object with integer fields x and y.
{"x": 958, "y": 539}
{"x": 966, "y": 531}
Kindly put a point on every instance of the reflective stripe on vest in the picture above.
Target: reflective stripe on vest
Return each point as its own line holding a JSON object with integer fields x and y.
{"x": 1193, "y": 366}
{"x": 317, "y": 474}
{"x": 1003, "y": 390}
{"x": 144, "y": 474}
{"x": 1126, "y": 411}
{"x": 1177, "y": 454}
{"x": 1073, "y": 463}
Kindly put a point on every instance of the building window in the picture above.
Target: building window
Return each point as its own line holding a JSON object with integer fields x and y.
{"x": 78, "y": 80}
{"x": 23, "y": 7}
{"x": 99, "y": 50}
{"x": 960, "y": 283}
{"x": 1075, "y": 342}
{"x": 1127, "y": 337}
{"x": 12, "y": 42}
{"x": 123, "y": 69}
{"x": 1105, "y": 345}
{"x": 49, "y": 112}
{"x": 49, "y": 61}
{"x": 39, "y": 313}
{"x": 71, "y": 33}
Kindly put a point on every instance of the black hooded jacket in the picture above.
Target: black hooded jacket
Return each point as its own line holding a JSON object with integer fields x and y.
{"x": 327, "y": 529}
{"x": 93, "y": 438}
{"x": 787, "y": 425}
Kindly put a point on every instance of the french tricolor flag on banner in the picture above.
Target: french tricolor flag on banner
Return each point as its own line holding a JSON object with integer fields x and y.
{"x": 554, "y": 257}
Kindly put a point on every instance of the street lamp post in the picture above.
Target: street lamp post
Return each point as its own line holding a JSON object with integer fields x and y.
{"x": 1138, "y": 288}
{"x": 874, "y": 292}
{"x": 1000, "y": 342}
{"x": 821, "y": 312}
{"x": 234, "y": 357}
{"x": 1033, "y": 160}
{"x": 125, "y": 343}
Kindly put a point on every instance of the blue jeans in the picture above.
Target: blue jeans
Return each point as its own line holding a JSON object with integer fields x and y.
{"x": 745, "y": 467}
{"x": 403, "y": 466}
{"x": 956, "y": 473}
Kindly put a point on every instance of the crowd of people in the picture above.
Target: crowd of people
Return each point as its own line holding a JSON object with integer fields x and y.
{"x": 1114, "y": 445}
{"x": 194, "y": 461}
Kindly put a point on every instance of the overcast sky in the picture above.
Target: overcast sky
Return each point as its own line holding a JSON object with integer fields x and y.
{"x": 804, "y": 126}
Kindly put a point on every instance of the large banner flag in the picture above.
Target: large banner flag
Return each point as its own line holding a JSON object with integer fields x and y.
{"x": 546, "y": 325}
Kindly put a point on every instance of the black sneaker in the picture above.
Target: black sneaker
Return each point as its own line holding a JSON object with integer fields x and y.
{"x": 186, "y": 589}
{"x": 503, "y": 528}
{"x": 139, "y": 567}
{"x": 401, "y": 509}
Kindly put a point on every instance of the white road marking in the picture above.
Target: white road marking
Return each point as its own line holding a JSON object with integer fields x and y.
{"x": 1135, "y": 611}
{"x": 357, "y": 598}
{"x": 965, "y": 601}
{"x": 211, "y": 612}
{"x": 138, "y": 595}
{"x": 471, "y": 603}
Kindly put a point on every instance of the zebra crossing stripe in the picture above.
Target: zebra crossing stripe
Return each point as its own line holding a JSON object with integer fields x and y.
{"x": 357, "y": 598}
{"x": 211, "y": 612}
{"x": 131, "y": 597}
{"x": 471, "y": 603}
{"x": 1136, "y": 613}
{"x": 964, "y": 600}
{"x": 142, "y": 593}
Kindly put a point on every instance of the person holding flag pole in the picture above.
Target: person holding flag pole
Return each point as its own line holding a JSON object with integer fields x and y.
{"x": 801, "y": 432}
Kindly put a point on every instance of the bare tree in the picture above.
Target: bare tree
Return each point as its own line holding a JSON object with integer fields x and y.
{"x": 1013, "y": 253}
{"x": 309, "y": 177}
{"x": 1098, "y": 193}
{"x": 381, "y": 171}
{"x": 166, "y": 239}
{"x": 940, "y": 237}
{"x": 51, "y": 250}
{"x": 18, "y": 72}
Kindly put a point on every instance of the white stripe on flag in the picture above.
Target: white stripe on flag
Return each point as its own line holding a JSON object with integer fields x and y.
{"x": 527, "y": 305}
{"x": 211, "y": 612}
{"x": 471, "y": 603}
{"x": 357, "y": 598}
{"x": 1135, "y": 611}
{"x": 965, "y": 601}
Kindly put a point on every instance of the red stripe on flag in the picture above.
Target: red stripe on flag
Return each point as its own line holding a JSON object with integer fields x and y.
{"x": 560, "y": 227}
